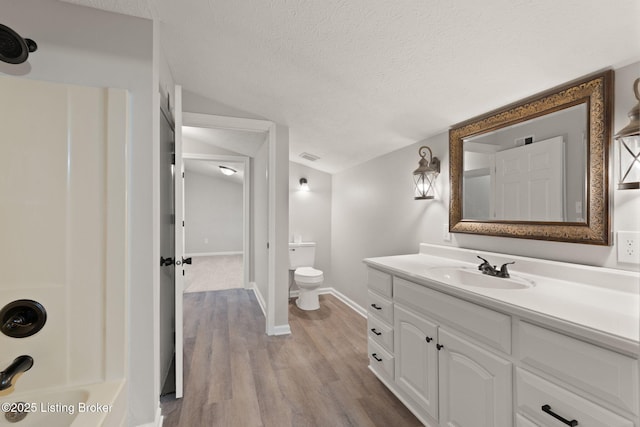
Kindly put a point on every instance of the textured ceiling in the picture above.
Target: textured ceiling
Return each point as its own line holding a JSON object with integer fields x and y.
{"x": 354, "y": 79}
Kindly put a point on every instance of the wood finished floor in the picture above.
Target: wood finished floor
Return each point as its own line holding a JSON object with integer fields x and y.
{"x": 237, "y": 376}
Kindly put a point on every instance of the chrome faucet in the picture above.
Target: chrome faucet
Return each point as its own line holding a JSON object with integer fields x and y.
{"x": 490, "y": 270}
{"x": 20, "y": 364}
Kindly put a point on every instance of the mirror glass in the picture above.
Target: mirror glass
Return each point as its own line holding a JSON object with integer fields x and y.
{"x": 538, "y": 168}
{"x": 535, "y": 170}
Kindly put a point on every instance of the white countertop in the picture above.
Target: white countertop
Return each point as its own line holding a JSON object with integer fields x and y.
{"x": 606, "y": 314}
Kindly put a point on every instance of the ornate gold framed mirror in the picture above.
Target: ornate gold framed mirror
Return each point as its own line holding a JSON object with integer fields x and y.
{"x": 536, "y": 169}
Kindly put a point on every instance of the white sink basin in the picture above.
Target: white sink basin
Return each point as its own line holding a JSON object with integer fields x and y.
{"x": 467, "y": 276}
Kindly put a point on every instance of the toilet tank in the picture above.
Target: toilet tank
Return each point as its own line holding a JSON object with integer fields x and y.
{"x": 301, "y": 254}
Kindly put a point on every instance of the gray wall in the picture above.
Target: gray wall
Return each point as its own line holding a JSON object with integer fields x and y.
{"x": 374, "y": 214}
{"x": 213, "y": 214}
{"x": 310, "y": 213}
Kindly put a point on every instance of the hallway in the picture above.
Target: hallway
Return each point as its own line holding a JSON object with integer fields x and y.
{"x": 235, "y": 375}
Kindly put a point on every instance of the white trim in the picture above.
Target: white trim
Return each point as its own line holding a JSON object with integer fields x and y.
{"x": 197, "y": 254}
{"x": 273, "y": 232}
{"x": 282, "y": 330}
{"x": 178, "y": 191}
{"x": 252, "y": 125}
{"x": 254, "y": 287}
{"x": 342, "y": 297}
{"x": 225, "y": 122}
{"x": 351, "y": 303}
{"x": 246, "y": 210}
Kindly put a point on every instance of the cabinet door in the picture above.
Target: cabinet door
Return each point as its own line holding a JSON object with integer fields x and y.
{"x": 475, "y": 385}
{"x": 417, "y": 358}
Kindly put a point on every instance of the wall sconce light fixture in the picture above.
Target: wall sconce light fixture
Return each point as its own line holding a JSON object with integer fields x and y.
{"x": 424, "y": 177}
{"x": 227, "y": 170}
{"x": 304, "y": 186}
{"x": 629, "y": 147}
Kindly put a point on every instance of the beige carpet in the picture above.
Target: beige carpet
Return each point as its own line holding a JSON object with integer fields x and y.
{"x": 213, "y": 273}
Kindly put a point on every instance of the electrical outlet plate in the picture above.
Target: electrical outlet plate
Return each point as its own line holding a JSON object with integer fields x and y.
{"x": 629, "y": 247}
{"x": 446, "y": 235}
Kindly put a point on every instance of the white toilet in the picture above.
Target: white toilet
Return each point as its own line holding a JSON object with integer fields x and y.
{"x": 308, "y": 279}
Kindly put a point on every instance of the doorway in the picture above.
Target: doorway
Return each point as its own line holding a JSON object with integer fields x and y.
{"x": 216, "y": 221}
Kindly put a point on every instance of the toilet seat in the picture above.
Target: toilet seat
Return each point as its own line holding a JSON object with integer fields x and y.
{"x": 308, "y": 275}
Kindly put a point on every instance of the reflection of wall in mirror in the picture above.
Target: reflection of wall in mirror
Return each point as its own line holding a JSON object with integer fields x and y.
{"x": 477, "y": 196}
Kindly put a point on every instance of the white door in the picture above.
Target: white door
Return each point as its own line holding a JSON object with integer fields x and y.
{"x": 167, "y": 251}
{"x": 179, "y": 240}
{"x": 475, "y": 385}
{"x": 530, "y": 182}
{"x": 416, "y": 367}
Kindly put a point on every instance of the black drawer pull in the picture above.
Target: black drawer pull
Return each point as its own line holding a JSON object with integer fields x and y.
{"x": 429, "y": 339}
{"x": 375, "y": 356}
{"x": 375, "y": 332}
{"x": 547, "y": 409}
{"x": 376, "y": 306}
{"x": 439, "y": 346}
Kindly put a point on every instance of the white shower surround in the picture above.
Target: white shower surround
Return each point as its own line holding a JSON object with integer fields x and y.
{"x": 68, "y": 213}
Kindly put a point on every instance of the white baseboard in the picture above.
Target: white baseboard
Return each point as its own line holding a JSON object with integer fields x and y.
{"x": 259, "y": 297}
{"x": 342, "y": 297}
{"x": 281, "y": 330}
{"x": 197, "y": 254}
{"x": 351, "y": 303}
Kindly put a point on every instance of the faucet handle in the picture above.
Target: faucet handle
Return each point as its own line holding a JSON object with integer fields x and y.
{"x": 503, "y": 270}
{"x": 485, "y": 262}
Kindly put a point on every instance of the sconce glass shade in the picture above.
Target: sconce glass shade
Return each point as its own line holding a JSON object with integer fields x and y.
{"x": 304, "y": 185}
{"x": 424, "y": 178}
{"x": 629, "y": 147}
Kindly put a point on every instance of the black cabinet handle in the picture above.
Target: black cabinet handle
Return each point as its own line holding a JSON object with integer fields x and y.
{"x": 429, "y": 339}
{"x": 375, "y": 356}
{"x": 439, "y": 346}
{"x": 376, "y": 306}
{"x": 165, "y": 261}
{"x": 547, "y": 409}
{"x": 375, "y": 332}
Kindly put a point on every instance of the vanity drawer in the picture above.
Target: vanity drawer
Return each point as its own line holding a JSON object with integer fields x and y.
{"x": 380, "y": 360}
{"x": 524, "y": 422}
{"x": 535, "y": 393}
{"x": 380, "y": 332}
{"x": 488, "y": 326}
{"x": 381, "y": 307}
{"x": 380, "y": 282}
{"x": 607, "y": 375}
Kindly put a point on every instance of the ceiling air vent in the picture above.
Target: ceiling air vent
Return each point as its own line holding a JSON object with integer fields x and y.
{"x": 310, "y": 157}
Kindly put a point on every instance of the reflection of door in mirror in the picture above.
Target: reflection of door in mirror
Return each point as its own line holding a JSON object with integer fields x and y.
{"x": 529, "y": 182}
{"x": 542, "y": 185}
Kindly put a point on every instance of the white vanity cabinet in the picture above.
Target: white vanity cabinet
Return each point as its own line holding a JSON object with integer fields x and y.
{"x": 589, "y": 385}
{"x": 454, "y": 362}
{"x": 417, "y": 358}
{"x": 475, "y": 384}
{"x": 380, "y": 324}
{"x": 451, "y": 380}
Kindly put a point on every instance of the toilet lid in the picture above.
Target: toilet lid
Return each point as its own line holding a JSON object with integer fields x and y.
{"x": 308, "y": 272}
